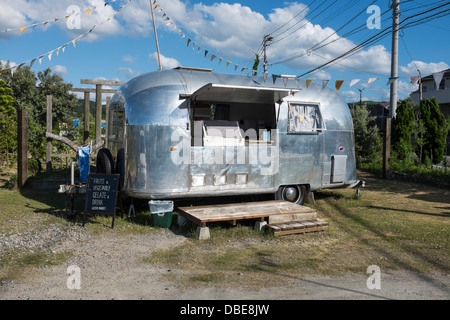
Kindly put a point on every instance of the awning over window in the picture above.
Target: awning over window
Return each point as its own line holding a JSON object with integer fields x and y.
{"x": 222, "y": 93}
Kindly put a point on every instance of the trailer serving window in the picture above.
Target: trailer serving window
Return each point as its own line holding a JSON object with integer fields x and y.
{"x": 304, "y": 118}
{"x": 251, "y": 109}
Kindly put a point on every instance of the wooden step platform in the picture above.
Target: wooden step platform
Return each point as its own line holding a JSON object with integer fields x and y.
{"x": 277, "y": 211}
{"x": 295, "y": 227}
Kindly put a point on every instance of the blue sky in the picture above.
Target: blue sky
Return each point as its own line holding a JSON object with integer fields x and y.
{"x": 124, "y": 46}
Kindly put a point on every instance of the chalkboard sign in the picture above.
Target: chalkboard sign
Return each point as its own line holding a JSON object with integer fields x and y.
{"x": 101, "y": 194}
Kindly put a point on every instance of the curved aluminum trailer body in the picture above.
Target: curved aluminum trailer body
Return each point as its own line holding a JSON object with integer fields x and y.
{"x": 193, "y": 133}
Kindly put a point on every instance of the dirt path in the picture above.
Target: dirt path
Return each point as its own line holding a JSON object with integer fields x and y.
{"x": 111, "y": 268}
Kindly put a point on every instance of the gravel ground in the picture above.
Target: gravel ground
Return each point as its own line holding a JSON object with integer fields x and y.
{"x": 111, "y": 268}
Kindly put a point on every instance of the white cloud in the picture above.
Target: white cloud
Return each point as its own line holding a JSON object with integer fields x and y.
{"x": 424, "y": 67}
{"x": 127, "y": 72}
{"x": 19, "y": 13}
{"x": 62, "y": 70}
{"x": 166, "y": 63}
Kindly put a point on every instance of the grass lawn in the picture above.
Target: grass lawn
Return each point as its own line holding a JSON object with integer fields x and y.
{"x": 394, "y": 225}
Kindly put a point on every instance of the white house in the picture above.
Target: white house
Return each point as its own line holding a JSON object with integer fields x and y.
{"x": 442, "y": 94}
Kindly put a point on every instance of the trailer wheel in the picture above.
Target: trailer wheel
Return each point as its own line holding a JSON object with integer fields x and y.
{"x": 104, "y": 162}
{"x": 293, "y": 193}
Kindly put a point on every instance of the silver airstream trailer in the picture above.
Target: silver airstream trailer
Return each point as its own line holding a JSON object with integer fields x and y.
{"x": 189, "y": 132}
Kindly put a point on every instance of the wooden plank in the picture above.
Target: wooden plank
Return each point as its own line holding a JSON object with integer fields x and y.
{"x": 249, "y": 210}
{"x": 91, "y": 90}
{"x": 296, "y": 217}
{"x": 299, "y": 227}
{"x": 102, "y": 82}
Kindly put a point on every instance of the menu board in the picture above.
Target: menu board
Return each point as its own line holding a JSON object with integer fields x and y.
{"x": 101, "y": 194}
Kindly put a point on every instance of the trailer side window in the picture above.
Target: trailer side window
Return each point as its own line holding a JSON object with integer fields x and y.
{"x": 116, "y": 126}
{"x": 304, "y": 118}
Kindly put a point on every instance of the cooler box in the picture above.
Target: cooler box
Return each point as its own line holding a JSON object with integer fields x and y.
{"x": 161, "y": 212}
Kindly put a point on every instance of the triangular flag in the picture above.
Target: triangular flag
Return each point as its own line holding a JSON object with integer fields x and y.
{"x": 199, "y": 47}
{"x": 390, "y": 81}
{"x": 371, "y": 80}
{"x": 308, "y": 81}
{"x": 243, "y": 68}
{"x": 40, "y": 59}
{"x": 414, "y": 80}
{"x": 50, "y": 55}
{"x": 23, "y": 29}
{"x": 339, "y": 84}
{"x": 32, "y": 62}
{"x": 324, "y": 83}
{"x": 57, "y": 50}
{"x": 67, "y": 17}
{"x": 265, "y": 76}
{"x": 220, "y": 60}
{"x": 88, "y": 11}
{"x": 64, "y": 47}
{"x": 156, "y": 6}
{"x": 189, "y": 41}
{"x": 235, "y": 67}
{"x": 297, "y": 82}
{"x": 73, "y": 41}
{"x": 206, "y": 52}
{"x": 354, "y": 81}
{"x": 274, "y": 78}
{"x": 228, "y": 63}
{"x": 285, "y": 80}
{"x": 213, "y": 56}
{"x": 437, "y": 78}
{"x": 20, "y": 65}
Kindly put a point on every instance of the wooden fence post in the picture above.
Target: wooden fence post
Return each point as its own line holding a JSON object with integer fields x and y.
{"x": 48, "y": 158}
{"x": 22, "y": 156}
{"x": 98, "y": 112}
{"x": 86, "y": 116}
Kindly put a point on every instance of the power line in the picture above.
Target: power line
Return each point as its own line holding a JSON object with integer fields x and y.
{"x": 380, "y": 35}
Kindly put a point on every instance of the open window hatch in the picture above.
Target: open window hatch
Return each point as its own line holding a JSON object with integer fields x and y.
{"x": 231, "y": 115}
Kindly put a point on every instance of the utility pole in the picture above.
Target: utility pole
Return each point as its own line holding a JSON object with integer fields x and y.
{"x": 360, "y": 96}
{"x": 393, "y": 93}
{"x": 156, "y": 36}
{"x": 266, "y": 39}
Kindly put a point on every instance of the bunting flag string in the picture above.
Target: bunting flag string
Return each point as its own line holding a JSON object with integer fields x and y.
{"x": 66, "y": 17}
{"x": 50, "y": 53}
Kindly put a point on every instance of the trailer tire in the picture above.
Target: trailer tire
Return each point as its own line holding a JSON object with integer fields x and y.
{"x": 293, "y": 193}
{"x": 104, "y": 162}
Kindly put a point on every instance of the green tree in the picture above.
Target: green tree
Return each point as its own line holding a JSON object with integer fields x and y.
{"x": 8, "y": 132}
{"x": 403, "y": 128}
{"x": 435, "y": 130}
{"x": 367, "y": 138}
{"x": 30, "y": 93}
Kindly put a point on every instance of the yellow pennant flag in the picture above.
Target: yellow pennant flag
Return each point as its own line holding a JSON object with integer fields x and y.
{"x": 228, "y": 63}
{"x": 73, "y": 41}
{"x": 339, "y": 84}
{"x": 23, "y": 29}
{"x": 67, "y": 17}
{"x": 88, "y": 11}
{"x": 308, "y": 81}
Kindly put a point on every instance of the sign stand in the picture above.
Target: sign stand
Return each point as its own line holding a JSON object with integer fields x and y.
{"x": 101, "y": 195}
